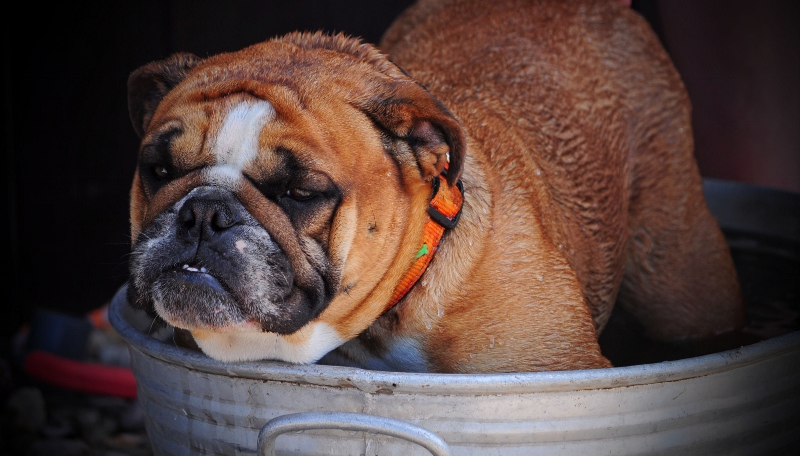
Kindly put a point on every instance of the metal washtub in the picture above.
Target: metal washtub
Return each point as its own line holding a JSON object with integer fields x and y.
{"x": 743, "y": 401}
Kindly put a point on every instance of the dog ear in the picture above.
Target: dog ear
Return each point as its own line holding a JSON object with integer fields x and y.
{"x": 148, "y": 85}
{"x": 407, "y": 111}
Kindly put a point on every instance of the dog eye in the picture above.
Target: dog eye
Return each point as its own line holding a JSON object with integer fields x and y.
{"x": 160, "y": 171}
{"x": 300, "y": 194}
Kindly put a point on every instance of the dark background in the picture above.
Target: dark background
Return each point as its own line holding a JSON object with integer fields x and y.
{"x": 70, "y": 150}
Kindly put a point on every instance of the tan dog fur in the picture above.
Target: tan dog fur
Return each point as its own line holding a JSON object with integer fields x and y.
{"x": 570, "y": 130}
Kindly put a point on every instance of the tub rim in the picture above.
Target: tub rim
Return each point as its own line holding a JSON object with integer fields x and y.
{"x": 428, "y": 383}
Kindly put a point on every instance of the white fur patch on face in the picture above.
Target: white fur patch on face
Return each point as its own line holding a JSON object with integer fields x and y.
{"x": 236, "y": 144}
{"x": 237, "y": 141}
{"x": 224, "y": 176}
{"x": 257, "y": 345}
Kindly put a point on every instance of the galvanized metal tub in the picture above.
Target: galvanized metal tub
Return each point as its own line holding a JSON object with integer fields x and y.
{"x": 743, "y": 401}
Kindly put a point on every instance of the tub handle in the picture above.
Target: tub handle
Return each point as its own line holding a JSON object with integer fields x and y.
{"x": 375, "y": 424}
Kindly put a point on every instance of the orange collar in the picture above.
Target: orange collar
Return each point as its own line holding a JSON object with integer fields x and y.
{"x": 444, "y": 210}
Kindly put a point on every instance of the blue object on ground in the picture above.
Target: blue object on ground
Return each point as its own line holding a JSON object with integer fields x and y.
{"x": 60, "y": 334}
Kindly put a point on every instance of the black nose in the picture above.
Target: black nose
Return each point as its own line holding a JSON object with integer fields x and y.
{"x": 205, "y": 217}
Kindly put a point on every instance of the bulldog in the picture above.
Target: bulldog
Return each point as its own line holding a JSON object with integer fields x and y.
{"x": 472, "y": 195}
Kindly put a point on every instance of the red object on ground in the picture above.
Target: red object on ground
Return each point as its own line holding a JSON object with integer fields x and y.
{"x": 80, "y": 376}
{"x": 99, "y": 317}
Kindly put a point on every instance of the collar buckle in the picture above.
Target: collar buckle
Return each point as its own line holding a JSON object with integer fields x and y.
{"x": 449, "y": 222}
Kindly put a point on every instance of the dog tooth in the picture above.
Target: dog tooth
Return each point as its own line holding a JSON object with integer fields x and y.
{"x": 185, "y": 266}
{"x": 203, "y": 270}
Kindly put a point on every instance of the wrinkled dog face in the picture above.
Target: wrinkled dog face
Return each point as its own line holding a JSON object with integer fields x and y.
{"x": 205, "y": 262}
{"x": 274, "y": 189}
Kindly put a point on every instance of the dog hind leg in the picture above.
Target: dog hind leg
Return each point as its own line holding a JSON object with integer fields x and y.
{"x": 679, "y": 279}
{"x": 679, "y": 282}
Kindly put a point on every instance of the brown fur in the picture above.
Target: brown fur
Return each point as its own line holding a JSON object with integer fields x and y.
{"x": 573, "y": 132}
{"x": 582, "y": 128}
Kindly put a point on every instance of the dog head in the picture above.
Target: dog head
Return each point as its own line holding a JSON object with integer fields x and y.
{"x": 280, "y": 192}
